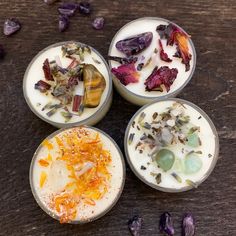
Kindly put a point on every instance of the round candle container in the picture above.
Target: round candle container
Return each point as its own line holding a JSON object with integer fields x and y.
{"x": 151, "y": 58}
{"x": 77, "y": 174}
{"x": 171, "y": 145}
{"x": 68, "y": 83}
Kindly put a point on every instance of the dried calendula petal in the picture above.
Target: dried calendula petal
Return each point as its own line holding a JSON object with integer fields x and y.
{"x": 47, "y": 144}
{"x": 43, "y": 178}
{"x": 43, "y": 162}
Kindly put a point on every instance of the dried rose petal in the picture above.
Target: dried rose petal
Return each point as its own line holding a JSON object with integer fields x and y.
{"x": 123, "y": 60}
{"x": 2, "y": 52}
{"x": 188, "y": 226}
{"x": 49, "y": 1}
{"x": 42, "y": 86}
{"x": 11, "y": 26}
{"x": 84, "y": 8}
{"x": 76, "y": 103}
{"x": 173, "y": 34}
{"x": 67, "y": 9}
{"x": 47, "y": 70}
{"x": 166, "y": 225}
{"x": 162, "y": 76}
{"x": 98, "y": 23}
{"x": 126, "y": 73}
{"x": 163, "y": 55}
{"x": 135, "y": 225}
{"x": 135, "y": 44}
{"x": 63, "y": 23}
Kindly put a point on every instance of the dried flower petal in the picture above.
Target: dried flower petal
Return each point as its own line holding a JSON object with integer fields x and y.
{"x": 11, "y": 26}
{"x": 2, "y": 52}
{"x": 166, "y": 225}
{"x": 188, "y": 225}
{"x": 135, "y": 44}
{"x": 123, "y": 60}
{"x": 84, "y": 8}
{"x": 67, "y": 9}
{"x": 76, "y": 103}
{"x": 98, "y": 23}
{"x": 42, "y": 86}
{"x": 47, "y": 70}
{"x": 63, "y": 23}
{"x": 173, "y": 34}
{"x": 135, "y": 225}
{"x": 163, "y": 55}
{"x": 126, "y": 73}
{"x": 67, "y": 115}
{"x": 162, "y": 76}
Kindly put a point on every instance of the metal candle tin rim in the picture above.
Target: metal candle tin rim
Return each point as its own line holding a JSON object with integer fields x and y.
{"x": 194, "y": 57}
{"x": 47, "y": 210}
{"x": 215, "y": 157}
{"x": 58, "y": 124}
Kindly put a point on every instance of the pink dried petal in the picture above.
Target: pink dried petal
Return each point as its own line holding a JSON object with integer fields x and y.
{"x": 163, "y": 55}
{"x": 126, "y": 73}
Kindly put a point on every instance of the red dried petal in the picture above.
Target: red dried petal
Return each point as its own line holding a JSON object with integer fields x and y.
{"x": 42, "y": 86}
{"x": 162, "y": 76}
{"x": 47, "y": 70}
{"x": 163, "y": 55}
{"x": 173, "y": 34}
{"x": 126, "y": 73}
{"x": 76, "y": 103}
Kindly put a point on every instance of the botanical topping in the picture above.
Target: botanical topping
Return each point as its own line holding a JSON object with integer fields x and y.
{"x": 135, "y": 44}
{"x": 126, "y": 73}
{"x": 77, "y": 86}
{"x": 175, "y": 35}
{"x": 163, "y": 54}
{"x": 87, "y": 161}
{"x": 164, "y": 76}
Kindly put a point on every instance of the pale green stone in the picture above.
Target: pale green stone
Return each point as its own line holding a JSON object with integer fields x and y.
{"x": 165, "y": 159}
{"x": 193, "y": 140}
{"x": 192, "y": 163}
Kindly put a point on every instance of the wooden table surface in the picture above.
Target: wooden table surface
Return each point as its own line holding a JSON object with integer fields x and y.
{"x": 212, "y": 25}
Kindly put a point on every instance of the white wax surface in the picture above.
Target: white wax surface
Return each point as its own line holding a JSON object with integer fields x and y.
{"x": 149, "y": 25}
{"x": 58, "y": 177}
{"x": 35, "y": 74}
{"x": 206, "y": 136}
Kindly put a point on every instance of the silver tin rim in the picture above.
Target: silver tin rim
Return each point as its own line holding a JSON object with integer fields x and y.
{"x": 215, "y": 157}
{"x": 47, "y": 210}
{"x": 57, "y": 124}
{"x": 175, "y": 92}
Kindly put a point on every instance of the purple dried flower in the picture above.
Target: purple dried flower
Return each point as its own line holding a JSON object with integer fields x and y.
{"x": 98, "y": 23}
{"x": 63, "y": 23}
{"x": 135, "y": 225}
{"x": 84, "y": 8}
{"x": 123, "y": 60}
{"x": 2, "y": 52}
{"x": 166, "y": 225}
{"x": 188, "y": 226}
{"x": 135, "y": 44}
{"x": 11, "y": 26}
{"x": 49, "y": 1}
{"x": 42, "y": 86}
{"x": 67, "y": 9}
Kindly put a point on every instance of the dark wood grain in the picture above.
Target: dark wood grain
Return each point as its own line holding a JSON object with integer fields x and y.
{"x": 212, "y": 25}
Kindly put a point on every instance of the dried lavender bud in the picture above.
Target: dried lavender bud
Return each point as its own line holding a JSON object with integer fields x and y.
{"x": 135, "y": 44}
{"x": 2, "y": 52}
{"x": 63, "y": 23}
{"x": 11, "y": 26}
{"x": 135, "y": 225}
{"x": 98, "y": 23}
{"x": 188, "y": 226}
{"x": 49, "y": 1}
{"x": 67, "y": 9}
{"x": 166, "y": 225}
{"x": 84, "y": 8}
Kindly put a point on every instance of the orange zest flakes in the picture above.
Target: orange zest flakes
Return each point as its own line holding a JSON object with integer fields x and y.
{"x": 47, "y": 144}
{"x": 43, "y": 178}
{"x": 43, "y": 162}
{"x": 87, "y": 162}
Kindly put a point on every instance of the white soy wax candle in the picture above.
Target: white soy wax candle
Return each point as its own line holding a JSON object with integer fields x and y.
{"x": 148, "y": 56}
{"x": 77, "y": 174}
{"x": 171, "y": 145}
{"x": 68, "y": 83}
